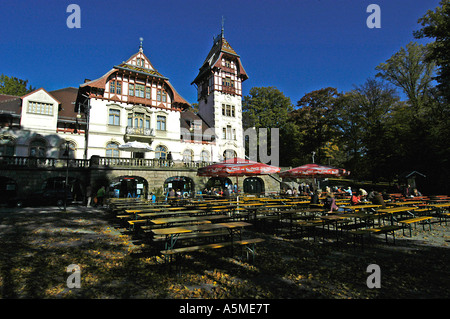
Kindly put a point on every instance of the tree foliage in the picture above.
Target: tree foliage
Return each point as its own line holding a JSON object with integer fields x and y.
{"x": 14, "y": 86}
{"x": 436, "y": 25}
{"x": 408, "y": 70}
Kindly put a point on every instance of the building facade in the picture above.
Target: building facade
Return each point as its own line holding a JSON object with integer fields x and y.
{"x": 132, "y": 102}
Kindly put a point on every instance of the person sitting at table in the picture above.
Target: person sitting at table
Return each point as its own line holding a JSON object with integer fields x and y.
{"x": 348, "y": 191}
{"x": 355, "y": 199}
{"x": 416, "y": 193}
{"x": 330, "y": 203}
{"x": 378, "y": 200}
{"x": 315, "y": 197}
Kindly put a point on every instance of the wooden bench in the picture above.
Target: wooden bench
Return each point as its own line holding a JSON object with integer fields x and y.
{"x": 376, "y": 230}
{"x": 443, "y": 216}
{"x": 132, "y": 223}
{"x": 409, "y": 222}
{"x": 124, "y": 216}
{"x": 201, "y": 234}
{"x": 308, "y": 225}
{"x": 246, "y": 242}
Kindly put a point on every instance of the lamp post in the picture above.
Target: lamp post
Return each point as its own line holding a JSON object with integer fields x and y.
{"x": 66, "y": 154}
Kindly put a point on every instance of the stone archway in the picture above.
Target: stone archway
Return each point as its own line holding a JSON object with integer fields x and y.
{"x": 185, "y": 185}
{"x": 128, "y": 186}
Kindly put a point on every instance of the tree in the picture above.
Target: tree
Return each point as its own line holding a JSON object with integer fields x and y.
{"x": 14, "y": 86}
{"x": 314, "y": 124}
{"x": 408, "y": 70}
{"x": 436, "y": 25}
{"x": 360, "y": 116}
{"x": 267, "y": 107}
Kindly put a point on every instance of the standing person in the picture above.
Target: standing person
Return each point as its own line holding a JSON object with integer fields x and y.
{"x": 169, "y": 158}
{"x": 100, "y": 196}
{"x": 407, "y": 192}
{"x": 88, "y": 195}
{"x": 153, "y": 197}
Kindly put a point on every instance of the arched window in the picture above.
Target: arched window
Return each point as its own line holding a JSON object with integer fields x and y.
{"x": 161, "y": 152}
{"x": 6, "y": 146}
{"x": 229, "y": 154}
{"x": 112, "y": 149}
{"x": 188, "y": 156}
{"x": 38, "y": 148}
{"x": 204, "y": 156}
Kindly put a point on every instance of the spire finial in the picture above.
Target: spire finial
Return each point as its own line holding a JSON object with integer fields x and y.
{"x": 223, "y": 23}
{"x": 140, "y": 45}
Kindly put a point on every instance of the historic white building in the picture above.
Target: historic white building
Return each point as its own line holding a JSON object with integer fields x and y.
{"x": 134, "y": 102}
{"x": 131, "y": 102}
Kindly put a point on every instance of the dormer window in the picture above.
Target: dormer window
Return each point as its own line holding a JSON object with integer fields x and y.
{"x": 40, "y": 108}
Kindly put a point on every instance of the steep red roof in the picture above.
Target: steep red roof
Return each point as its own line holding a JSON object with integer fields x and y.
{"x": 214, "y": 58}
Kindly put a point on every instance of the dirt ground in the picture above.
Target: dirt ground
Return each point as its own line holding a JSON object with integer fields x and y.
{"x": 38, "y": 244}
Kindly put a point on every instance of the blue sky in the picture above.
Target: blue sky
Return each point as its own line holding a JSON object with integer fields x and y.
{"x": 297, "y": 46}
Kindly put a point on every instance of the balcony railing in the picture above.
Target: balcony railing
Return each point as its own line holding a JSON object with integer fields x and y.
{"x": 95, "y": 161}
{"x": 41, "y": 162}
{"x": 145, "y": 162}
{"x": 140, "y": 131}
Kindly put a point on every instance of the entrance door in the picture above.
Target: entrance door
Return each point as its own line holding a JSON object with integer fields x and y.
{"x": 253, "y": 185}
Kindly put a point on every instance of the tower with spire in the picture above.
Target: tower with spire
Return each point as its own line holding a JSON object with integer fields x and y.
{"x": 219, "y": 95}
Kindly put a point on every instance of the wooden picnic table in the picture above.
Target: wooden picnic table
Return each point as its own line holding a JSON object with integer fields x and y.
{"x": 443, "y": 205}
{"x": 170, "y": 213}
{"x": 278, "y": 206}
{"x": 360, "y": 207}
{"x": 186, "y": 219}
{"x": 406, "y": 203}
{"x": 171, "y": 233}
{"x": 395, "y": 210}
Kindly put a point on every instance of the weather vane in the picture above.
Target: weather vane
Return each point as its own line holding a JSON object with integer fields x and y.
{"x": 140, "y": 45}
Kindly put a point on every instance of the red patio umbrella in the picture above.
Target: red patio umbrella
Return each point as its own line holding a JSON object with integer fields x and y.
{"x": 237, "y": 167}
{"x": 314, "y": 170}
